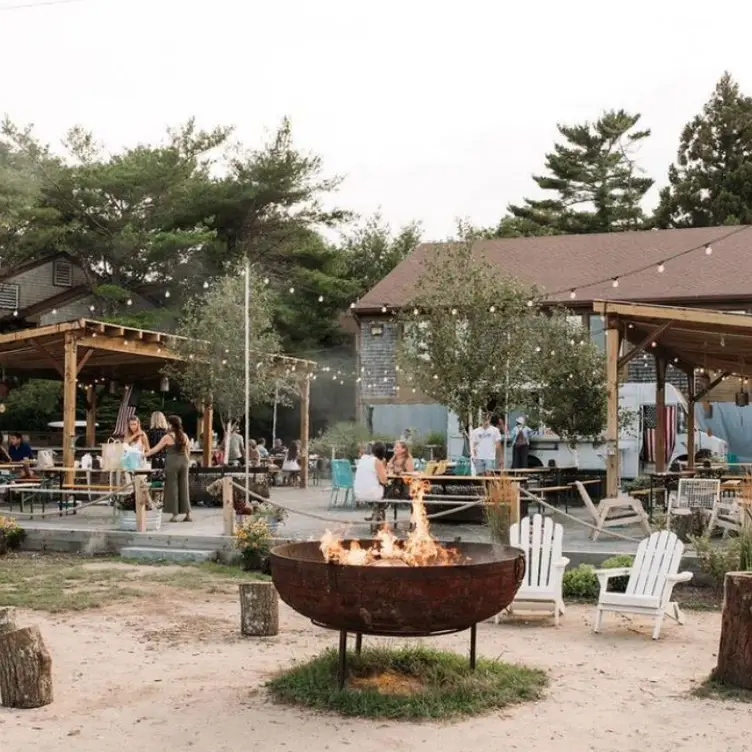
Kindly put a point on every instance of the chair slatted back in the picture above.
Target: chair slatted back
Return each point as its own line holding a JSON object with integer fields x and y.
{"x": 342, "y": 474}
{"x": 542, "y": 541}
{"x": 697, "y": 493}
{"x": 657, "y": 556}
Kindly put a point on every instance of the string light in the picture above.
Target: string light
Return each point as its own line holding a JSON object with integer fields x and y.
{"x": 129, "y": 302}
{"x": 572, "y": 294}
{"x": 661, "y": 268}
{"x": 615, "y": 282}
{"x": 708, "y": 250}
{"x": 206, "y": 285}
{"x": 292, "y": 291}
{"x": 167, "y": 293}
{"x": 321, "y": 298}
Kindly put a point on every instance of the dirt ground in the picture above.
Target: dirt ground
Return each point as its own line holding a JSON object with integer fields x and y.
{"x": 172, "y": 672}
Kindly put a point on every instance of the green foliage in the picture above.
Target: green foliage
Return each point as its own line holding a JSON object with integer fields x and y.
{"x": 582, "y": 583}
{"x": 473, "y": 336}
{"x": 711, "y": 183}
{"x": 730, "y": 555}
{"x": 31, "y": 406}
{"x": 594, "y": 178}
{"x": 343, "y": 440}
{"x": 213, "y": 351}
{"x": 408, "y": 683}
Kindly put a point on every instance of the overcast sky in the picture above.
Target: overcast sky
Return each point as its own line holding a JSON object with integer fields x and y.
{"x": 431, "y": 110}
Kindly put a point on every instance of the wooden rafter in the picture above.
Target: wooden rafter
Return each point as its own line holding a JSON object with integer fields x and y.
{"x": 652, "y": 337}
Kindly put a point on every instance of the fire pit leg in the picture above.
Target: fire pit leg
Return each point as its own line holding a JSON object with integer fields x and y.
{"x": 342, "y": 664}
{"x": 473, "y": 635}
{"x": 358, "y": 643}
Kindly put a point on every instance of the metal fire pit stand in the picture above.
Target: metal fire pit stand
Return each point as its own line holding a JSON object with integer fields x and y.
{"x": 342, "y": 654}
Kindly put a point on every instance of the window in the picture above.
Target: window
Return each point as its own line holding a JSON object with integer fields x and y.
{"x": 62, "y": 273}
{"x": 8, "y": 296}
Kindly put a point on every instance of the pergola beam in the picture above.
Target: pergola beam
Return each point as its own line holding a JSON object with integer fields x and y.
{"x": 640, "y": 346}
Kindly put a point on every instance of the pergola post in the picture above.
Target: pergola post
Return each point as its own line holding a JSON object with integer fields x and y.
{"x": 691, "y": 403}
{"x": 207, "y": 424}
{"x": 660, "y": 411}
{"x": 91, "y": 415}
{"x": 305, "y": 408}
{"x": 612, "y": 423}
{"x": 69, "y": 404}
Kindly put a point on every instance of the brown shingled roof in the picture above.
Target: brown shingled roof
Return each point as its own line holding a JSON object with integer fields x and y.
{"x": 588, "y": 263}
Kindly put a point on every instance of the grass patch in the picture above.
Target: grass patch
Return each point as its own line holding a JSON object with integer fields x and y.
{"x": 410, "y": 683}
{"x": 57, "y": 583}
{"x": 714, "y": 690}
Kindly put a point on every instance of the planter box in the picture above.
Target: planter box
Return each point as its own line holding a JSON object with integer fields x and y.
{"x": 127, "y": 521}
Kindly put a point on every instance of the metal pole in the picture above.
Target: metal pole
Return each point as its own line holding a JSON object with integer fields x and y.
{"x": 247, "y": 376}
{"x": 274, "y": 413}
{"x": 506, "y": 405}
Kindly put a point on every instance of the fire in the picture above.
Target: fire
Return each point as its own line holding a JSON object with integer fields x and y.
{"x": 419, "y": 549}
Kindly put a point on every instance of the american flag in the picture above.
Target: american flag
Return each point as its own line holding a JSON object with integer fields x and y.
{"x": 126, "y": 411}
{"x": 650, "y": 422}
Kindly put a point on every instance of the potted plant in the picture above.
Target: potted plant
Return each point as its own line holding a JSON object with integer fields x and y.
{"x": 11, "y": 535}
{"x": 271, "y": 514}
{"x": 127, "y": 514}
{"x": 253, "y": 539}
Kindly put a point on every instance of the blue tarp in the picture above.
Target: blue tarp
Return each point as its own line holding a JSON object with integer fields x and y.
{"x": 729, "y": 422}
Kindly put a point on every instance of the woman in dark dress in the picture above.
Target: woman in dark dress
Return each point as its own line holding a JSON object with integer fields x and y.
{"x": 157, "y": 429}
{"x": 176, "y": 491}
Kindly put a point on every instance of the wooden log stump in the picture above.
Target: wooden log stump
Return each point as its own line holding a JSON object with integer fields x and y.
{"x": 259, "y": 609}
{"x": 735, "y": 651}
{"x": 7, "y": 619}
{"x": 25, "y": 669}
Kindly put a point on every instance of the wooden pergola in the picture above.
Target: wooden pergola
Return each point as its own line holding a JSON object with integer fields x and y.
{"x": 691, "y": 339}
{"x": 94, "y": 352}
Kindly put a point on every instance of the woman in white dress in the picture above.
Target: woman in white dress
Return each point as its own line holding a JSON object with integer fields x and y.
{"x": 370, "y": 479}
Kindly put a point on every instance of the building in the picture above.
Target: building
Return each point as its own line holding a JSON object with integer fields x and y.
{"x": 699, "y": 267}
{"x": 49, "y": 290}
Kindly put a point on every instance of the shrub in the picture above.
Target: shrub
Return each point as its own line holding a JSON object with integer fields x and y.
{"x": 12, "y": 535}
{"x": 618, "y": 584}
{"x": 732, "y": 555}
{"x": 342, "y": 439}
{"x": 581, "y": 582}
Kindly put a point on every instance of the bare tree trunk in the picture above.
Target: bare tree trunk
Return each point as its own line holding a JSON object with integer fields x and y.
{"x": 735, "y": 650}
{"x": 259, "y": 609}
{"x": 25, "y": 669}
{"x": 226, "y": 442}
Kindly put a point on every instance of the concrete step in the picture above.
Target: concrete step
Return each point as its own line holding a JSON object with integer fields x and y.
{"x": 149, "y": 553}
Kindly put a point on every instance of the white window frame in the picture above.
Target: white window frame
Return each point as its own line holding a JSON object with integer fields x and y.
{"x": 7, "y": 288}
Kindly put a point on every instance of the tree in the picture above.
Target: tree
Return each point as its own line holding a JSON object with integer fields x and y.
{"x": 595, "y": 179}
{"x": 213, "y": 351}
{"x": 373, "y": 249}
{"x": 473, "y": 337}
{"x": 711, "y": 182}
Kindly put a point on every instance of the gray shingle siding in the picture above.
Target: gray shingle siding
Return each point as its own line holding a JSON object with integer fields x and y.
{"x": 378, "y": 359}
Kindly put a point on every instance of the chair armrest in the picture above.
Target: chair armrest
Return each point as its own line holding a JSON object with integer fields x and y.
{"x": 680, "y": 577}
{"x": 604, "y": 575}
{"x": 563, "y": 563}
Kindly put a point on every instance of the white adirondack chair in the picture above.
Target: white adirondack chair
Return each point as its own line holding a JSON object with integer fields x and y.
{"x": 541, "y": 540}
{"x": 623, "y": 510}
{"x": 651, "y": 581}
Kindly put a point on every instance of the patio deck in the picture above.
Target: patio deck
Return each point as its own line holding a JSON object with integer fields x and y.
{"x": 93, "y": 529}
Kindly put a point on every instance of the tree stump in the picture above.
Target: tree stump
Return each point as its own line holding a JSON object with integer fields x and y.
{"x": 25, "y": 669}
{"x": 259, "y": 609}
{"x": 7, "y": 619}
{"x": 735, "y": 651}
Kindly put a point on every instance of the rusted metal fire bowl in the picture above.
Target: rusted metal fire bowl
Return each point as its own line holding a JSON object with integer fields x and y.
{"x": 398, "y": 601}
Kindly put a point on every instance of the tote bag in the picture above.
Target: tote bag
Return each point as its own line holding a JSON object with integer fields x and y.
{"x": 112, "y": 453}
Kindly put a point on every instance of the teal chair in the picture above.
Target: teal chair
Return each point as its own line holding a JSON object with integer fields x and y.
{"x": 342, "y": 480}
{"x": 462, "y": 466}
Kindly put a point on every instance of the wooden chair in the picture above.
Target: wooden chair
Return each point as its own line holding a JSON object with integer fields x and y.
{"x": 651, "y": 581}
{"x": 541, "y": 540}
{"x": 623, "y": 510}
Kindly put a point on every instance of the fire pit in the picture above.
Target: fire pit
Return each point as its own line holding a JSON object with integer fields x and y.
{"x": 392, "y": 588}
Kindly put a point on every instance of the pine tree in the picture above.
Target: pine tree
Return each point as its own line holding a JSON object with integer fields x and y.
{"x": 711, "y": 182}
{"x": 593, "y": 174}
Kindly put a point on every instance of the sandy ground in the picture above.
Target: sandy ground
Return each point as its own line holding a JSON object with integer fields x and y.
{"x": 173, "y": 673}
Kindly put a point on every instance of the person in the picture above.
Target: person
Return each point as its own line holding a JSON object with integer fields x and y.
{"x": 291, "y": 465}
{"x": 18, "y": 449}
{"x": 254, "y": 455}
{"x": 135, "y": 436}
{"x": 157, "y": 429}
{"x": 279, "y": 449}
{"x": 485, "y": 445}
{"x": 176, "y": 492}
{"x": 236, "y": 447}
{"x": 262, "y": 450}
{"x": 402, "y": 460}
{"x": 520, "y": 443}
{"x": 370, "y": 480}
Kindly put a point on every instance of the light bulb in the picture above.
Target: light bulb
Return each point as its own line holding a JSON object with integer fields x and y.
{"x": 573, "y": 294}
{"x": 292, "y": 291}
{"x": 266, "y": 280}
{"x": 492, "y": 309}
{"x": 321, "y": 298}
{"x": 454, "y": 311}
{"x": 54, "y": 311}
{"x": 206, "y": 285}
{"x": 529, "y": 303}
{"x": 415, "y": 311}
{"x": 383, "y": 309}
{"x": 661, "y": 268}
{"x": 615, "y": 282}
{"x": 708, "y": 250}
{"x": 129, "y": 302}
{"x": 352, "y": 305}
{"x": 167, "y": 293}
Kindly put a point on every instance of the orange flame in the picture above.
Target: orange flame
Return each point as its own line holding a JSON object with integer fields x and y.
{"x": 419, "y": 549}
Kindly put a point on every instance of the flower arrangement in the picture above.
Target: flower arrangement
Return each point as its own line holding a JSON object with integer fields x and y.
{"x": 11, "y": 534}
{"x": 253, "y": 539}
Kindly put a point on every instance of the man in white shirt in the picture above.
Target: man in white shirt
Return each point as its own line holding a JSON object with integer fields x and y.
{"x": 485, "y": 446}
